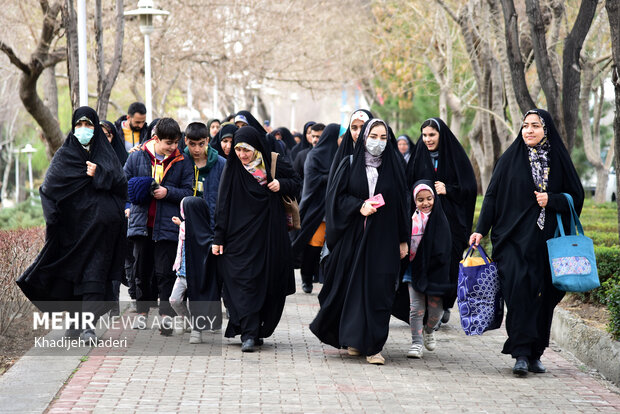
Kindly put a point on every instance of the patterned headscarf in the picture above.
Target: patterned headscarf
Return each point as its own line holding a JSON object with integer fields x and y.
{"x": 256, "y": 167}
{"x": 539, "y": 162}
{"x": 418, "y": 222}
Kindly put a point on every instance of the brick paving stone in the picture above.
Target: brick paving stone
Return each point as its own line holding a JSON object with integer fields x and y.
{"x": 294, "y": 372}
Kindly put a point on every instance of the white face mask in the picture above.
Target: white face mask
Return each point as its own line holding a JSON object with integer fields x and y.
{"x": 375, "y": 146}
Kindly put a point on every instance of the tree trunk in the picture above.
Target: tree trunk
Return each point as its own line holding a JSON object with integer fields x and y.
{"x": 69, "y": 19}
{"x": 51, "y": 90}
{"x": 105, "y": 81}
{"x": 41, "y": 59}
{"x": 613, "y": 13}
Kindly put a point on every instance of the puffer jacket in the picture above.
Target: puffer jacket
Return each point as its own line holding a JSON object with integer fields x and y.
{"x": 178, "y": 179}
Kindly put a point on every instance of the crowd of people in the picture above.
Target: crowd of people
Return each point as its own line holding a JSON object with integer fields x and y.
{"x": 195, "y": 217}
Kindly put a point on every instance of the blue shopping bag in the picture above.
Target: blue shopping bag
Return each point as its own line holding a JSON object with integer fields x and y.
{"x": 571, "y": 257}
{"x": 479, "y": 296}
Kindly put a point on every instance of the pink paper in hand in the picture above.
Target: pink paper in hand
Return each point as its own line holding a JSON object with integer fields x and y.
{"x": 378, "y": 201}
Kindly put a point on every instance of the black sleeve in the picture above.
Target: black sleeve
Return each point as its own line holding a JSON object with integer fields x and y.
{"x": 290, "y": 182}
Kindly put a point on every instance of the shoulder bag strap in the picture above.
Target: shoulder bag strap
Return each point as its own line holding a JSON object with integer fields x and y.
{"x": 274, "y": 160}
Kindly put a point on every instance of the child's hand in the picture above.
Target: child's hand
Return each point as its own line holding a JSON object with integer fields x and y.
{"x": 160, "y": 193}
{"x": 176, "y": 220}
{"x": 403, "y": 250}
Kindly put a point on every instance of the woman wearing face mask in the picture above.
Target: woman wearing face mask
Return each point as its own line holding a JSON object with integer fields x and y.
{"x": 440, "y": 157}
{"x": 83, "y": 197}
{"x": 349, "y": 138}
{"x": 251, "y": 238}
{"x": 367, "y": 240}
{"x": 520, "y": 207}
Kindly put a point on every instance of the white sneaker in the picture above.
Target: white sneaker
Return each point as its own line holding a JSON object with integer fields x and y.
{"x": 139, "y": 322}
{"x": 415, "y": 351}
{"x": 195, "y": 337}
{"x": 429, "y": 340}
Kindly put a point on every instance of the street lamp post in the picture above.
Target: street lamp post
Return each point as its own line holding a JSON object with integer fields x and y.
{"x": 16, "y": 152}
{"x": 146, "y": 10}
{"x": 29, "y": 150}
{"x": 294, "y": 98}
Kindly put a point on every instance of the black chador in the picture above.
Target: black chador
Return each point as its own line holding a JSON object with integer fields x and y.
{"x": 450, "y": 165}
{"x": 512, "y": 214}
{"x": 312, "y": 206}
{"x": 85, "y": 223}
{"x": 303, "y": 144}
{"x": 256, "y": 266}
{"x": 347, "y": 145}
{"x": 203, "y": 289}
{"x": 362, "y": 270}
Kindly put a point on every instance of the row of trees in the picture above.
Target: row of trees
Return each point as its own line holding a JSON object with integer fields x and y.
{"x": 495, "y": 59}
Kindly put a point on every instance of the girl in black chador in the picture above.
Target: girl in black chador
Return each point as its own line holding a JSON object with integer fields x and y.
{"x": 251, "y": 238}
{"x": 83, "y": 199}
{"x": 439, "y": 157}
{"x": 367, "y": 240}
{"x": 519, "y": 208}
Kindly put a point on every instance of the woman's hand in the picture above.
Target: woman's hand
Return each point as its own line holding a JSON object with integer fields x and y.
{"x": 217, "y": 249}
{"x": 542, "y": 199}
{"x": 475, "y": 239}
{"x": 403, "y": 250}
{"x": 176, "y": 220}
{"x": 274, "y": 185}
{"x": 440, "y": 187}
{"x": 368, "y": 209}
{"x": 90, "y": 168}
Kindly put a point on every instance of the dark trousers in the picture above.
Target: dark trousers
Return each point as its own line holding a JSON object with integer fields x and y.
{"x": 250, "y": 326}
{"x": 129, "y": 269}
{"x": 310, "y": 264}
{"x": 154, "y": 259}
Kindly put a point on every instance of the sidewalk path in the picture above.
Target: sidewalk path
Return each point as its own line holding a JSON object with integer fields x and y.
{"x": 294, "y": 372}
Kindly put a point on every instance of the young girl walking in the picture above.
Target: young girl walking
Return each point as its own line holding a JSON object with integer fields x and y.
{"x": 427, "y": 276}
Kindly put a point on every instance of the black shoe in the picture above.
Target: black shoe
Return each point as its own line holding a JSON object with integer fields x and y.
{"x": 247, "y": 345}
{"x": 166, "y": 328}
{"x": 73, "y": 332}
{"x": 536, "y": 366}
{"x": 446, "y": 316}
{"x": 521, "y": 367}
{"x": 306, "y": 287}
{"x": 259, "y": 342}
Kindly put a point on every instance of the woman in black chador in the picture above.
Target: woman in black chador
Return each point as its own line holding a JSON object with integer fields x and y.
{"x": 309, "y": 241}
{"x": 349, "y": 138}
{"x": 83, "y": 199}
{"x": 439, "y": 157}
{"x": 366, "y": 244}
{"x": 251, "y": 238}
{"x": 520, "y": 207}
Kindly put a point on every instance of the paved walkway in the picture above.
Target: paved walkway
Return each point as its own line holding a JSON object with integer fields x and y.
{"x": 294, "y": 372}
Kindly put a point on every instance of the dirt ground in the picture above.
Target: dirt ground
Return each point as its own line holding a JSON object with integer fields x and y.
{"x": 593, "y": 315}
{"x": 17, "y": 341}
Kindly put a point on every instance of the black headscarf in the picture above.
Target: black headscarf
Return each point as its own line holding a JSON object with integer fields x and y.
{"x": 85, "y": 222}
{"x": 203, "y": 289}
{"x": 303, "y": 144}
{"x": 273, "y": 144}
{"x": 117, "y": 143}
{"x": 362, "y": 270}
{"x": 287, "y": 137}
{"x": 316, "y": 172}
{"x": 256, "y": 265}
{"x": 227, "y": 130}
{"x": 519, "y": 245}
{"x": 209, "y": 122}
{"x": 411, "y": 145}
{"x": 347, "y": 145}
